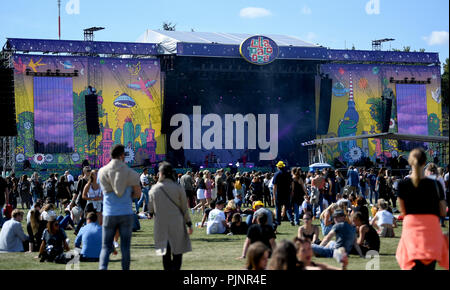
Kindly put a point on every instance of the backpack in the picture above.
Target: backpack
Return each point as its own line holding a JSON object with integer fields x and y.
{"x": 315, "y": 193}
{"x": 50, "y": 189}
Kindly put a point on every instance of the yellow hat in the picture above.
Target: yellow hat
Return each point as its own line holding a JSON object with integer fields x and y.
{"x": 280, "y": 164}
{"x": 257, "y": 203}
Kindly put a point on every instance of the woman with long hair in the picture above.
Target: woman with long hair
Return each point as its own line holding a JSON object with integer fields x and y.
{"x": 381, "y": 185}
{"x": 298, "y": 192}
{"x": 422, "y": 203}
{"x": 93, "y": 194}
{"x": 326, "y": 218}
{"x": 201, "y": 188}
{"x": 54, "y": 243}
{"x": 62, "y": 192}
{"x": 36, "y": 188}
{"x": 24, "y": 191}
{"x": 308, "y": 230}
{"x": 257, "y": 256}
{"x": 305, "y": 255}
{"x": 209, "y": 184}
{"x": 35, "y": 228}
{"x": 284, "y": 257}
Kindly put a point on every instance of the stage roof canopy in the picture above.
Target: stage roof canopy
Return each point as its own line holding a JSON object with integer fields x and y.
{"x": 169, "y": 39}
{"x": 392, "y": 136}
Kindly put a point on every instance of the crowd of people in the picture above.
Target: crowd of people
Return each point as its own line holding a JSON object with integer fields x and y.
{"x": 353, "y": 207}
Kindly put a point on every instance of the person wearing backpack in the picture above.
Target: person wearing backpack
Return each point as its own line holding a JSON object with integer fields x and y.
{"x": 50, "y": 188}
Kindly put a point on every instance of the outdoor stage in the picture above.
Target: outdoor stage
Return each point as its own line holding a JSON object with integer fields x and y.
{"x": 202, "y": 99}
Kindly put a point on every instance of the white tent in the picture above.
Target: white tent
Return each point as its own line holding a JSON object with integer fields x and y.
{"x": 319, "y": 166}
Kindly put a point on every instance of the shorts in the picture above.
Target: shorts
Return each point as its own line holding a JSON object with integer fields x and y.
{"x": 200, "y": 193}
{"x": 386, "y": 231}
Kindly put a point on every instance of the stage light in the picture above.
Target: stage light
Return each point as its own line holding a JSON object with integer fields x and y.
{"x": 27, "y": 71}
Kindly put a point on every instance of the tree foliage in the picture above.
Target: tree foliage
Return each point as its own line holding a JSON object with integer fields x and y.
{"x": 168, "y": 26}
{"x": 445, "y": 85}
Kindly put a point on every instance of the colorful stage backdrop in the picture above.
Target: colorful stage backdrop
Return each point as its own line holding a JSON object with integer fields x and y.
{"x": 356, "y": 108}
{"x": 51, "y": 117}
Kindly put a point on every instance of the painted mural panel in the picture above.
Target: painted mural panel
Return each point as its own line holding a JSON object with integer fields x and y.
{"x": 129, "y": 102}
{"x": 357, "y": 107}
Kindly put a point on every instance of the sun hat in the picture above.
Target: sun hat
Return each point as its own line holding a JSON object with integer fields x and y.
{"x": 280, "y": 164}
{"x": 258, "y": 203}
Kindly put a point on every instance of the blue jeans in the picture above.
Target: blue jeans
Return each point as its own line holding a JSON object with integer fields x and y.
{"x": 373, "y": 193}
{"x": 319, "y": 205}
{"x": 278, "y": 205}
{"x": 64, "y": 221}
{"x": 123, "y": 223}
{"x": 35, "y": 197}
{"x": 321, "y": 251}
{"x": 144, "y": 197}
{"x": 296, "y": 212}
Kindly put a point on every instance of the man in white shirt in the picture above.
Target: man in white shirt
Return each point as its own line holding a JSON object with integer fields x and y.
{"x": 216, "y": 219}
{"x": 145, "y": 184}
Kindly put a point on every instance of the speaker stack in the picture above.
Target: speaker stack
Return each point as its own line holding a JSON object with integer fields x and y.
{"x": 92, "y": 122}
{"x": 8, "y": 125}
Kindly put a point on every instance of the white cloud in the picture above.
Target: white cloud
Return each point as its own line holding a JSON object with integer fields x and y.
{"x": 254, "y": 12}
{"x": 306, "y": 10}
{"x": 437, "y": 38}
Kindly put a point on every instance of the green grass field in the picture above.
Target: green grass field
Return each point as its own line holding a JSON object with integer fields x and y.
{"x": 209, "y": 252}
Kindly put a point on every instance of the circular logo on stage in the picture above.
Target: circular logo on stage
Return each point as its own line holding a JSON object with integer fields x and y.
{"x": 259, "y": 50}
{"x": 49, "y": 158}
{"x": 27, "y": 125}
{"x": 75, "y": 157}
{"x": 39, "y": 158}
{"x": 129, "y": 155}
{"x": 355, "y": 153}
{"x": 20, "y": 157}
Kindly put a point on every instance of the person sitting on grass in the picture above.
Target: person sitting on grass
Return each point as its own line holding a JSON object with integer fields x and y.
{"x": 212, "y": 205}
{"x": 66, "y": 222}
{"x": 260, "y": 232}
{"x": 308, "y": 230}
{"x": 230, "y": 210}
{"x": 345, "y": 237}
{"x": 12, "y": 237}
{"x": 259, "y": 208}
{"x": 257, "y": 257}
{"x": 54, "y": 243}
{"x": 90, "y": 239}
{"x": 326, "y": 218}
{"x": 237, "y": 226}
{"x": 368, "y": 239}
{"x": 217, "y": 223}
{"x": 35, "y": 228}
{"x": 305, "y": 254}
{"x": 384, "y": 222}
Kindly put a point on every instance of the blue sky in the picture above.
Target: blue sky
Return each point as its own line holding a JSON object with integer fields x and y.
{"x": 332, "y": 23}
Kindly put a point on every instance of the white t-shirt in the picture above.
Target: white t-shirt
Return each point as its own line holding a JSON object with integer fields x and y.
{"x": 215, "y": 222}
{"x": 384, "y": 217}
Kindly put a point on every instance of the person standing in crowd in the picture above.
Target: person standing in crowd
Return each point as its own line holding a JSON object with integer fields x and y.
{"x": 24, "y": 191}
{"x": 257, "y": 256}
{"x": 36, "y": 187}
{"x": 187, "y": 183}
{"x": 92, "y": 193}
{"x": 90, "y": 240}
{"x": 345, "y": 237}
{"x": 267, "y": 195}
{"x": 13, "y": 190}
{"x": 209, "y": 184}
{"x": 318, "y": 182}
{"x": 256, "y": 187}
{"x": 422, "y": 203}
{"x": 431, "y": 171}
{"x": 230, "y": 185}
{"x": 298, "y": 192}
{"x": 340, "y": 182}
{"x": 78, "y": 200}
{"x": 119, "y": 184}
{"x": 363, "y": 182}
{"x": 63, "y": 192}
{"x": 330, "y": 177}
{"x": 282, "y": 191}
{"x": 173, "y": 224}
{"x": 4, "y": 197}
{"x": 372, "y": 180}
{"x": 12, "y": 237}
{"x": 381, "y": 185}
{"x": 145, "y": 185}
{"x": 219, "y": 184}
{"x": 353, "y": 180}
{"x": 50, "y": 188}
{"x": 201, "y": 198}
